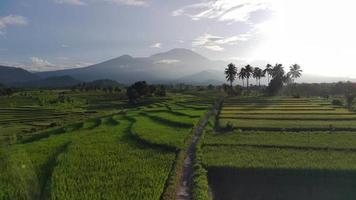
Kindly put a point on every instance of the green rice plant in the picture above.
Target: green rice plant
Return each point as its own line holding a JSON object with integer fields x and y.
{"x": 328, "y": 117}
{"x": 340, "y": 140}
{"x": 200, "y": 180}
{"x": 107, "y": 164}
{"x": 24, "y": 168}
{"x": 92, "y": 123}
{"x": 159, "y": 134}
{"x": 277, "y": 158}
{"x": 264, "y": 124}
{"x": 171, "y": 119}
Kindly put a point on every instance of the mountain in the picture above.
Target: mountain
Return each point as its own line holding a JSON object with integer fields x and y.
{"x": 9, "y": 75}
{"x": 213, "y": 77}
{"x": 51, "y": 82}
{"x": 103, "y": 83}
{"x": 158, "y": 68}
{"x": 310, "y": 78}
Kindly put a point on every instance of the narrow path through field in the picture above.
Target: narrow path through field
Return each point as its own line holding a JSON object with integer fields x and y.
{"x": 184, "y": 189}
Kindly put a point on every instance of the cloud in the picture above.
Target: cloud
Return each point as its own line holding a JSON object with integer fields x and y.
{"x": 64, "y": 45}
{"x": 117, "y": 2}
{"x": 129, "y": 2}
{"x": 12, "y": 20}
{"x": 71, "y": 2}
{"x": 156, "y": 45}
{"x": 39, "y": 64}
{"x": 223, "y": 10}
{"x": 167, "y": 61}
{"x": 217, "y": 43}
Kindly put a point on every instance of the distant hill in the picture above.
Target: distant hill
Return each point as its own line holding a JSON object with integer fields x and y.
{"x": 158, "y": 68}
{"x": 9, "y": 75}
{"x": 51, "y": 82}
{"x": 203, "y": 78}
{"x": 103, "y": 83}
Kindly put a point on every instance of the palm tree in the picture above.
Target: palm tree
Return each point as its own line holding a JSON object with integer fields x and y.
{"x": 295, "y": 72}
{"x": 242, "y": 76}
{"x": 277, "y": 71}
{"x": 268, "y": 71}
{"x": 248, "y": 73}
{"x": 258, "y": 73}
{"x": 255, "y": 74}
{"x": 231, "y": 72}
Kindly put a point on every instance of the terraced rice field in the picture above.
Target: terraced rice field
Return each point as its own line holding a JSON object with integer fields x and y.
{"x": 129, "y": 155}
{"x": 282, "y": 148}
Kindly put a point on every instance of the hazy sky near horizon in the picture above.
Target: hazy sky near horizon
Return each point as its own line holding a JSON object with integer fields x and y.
{"x": 55, "y": 34}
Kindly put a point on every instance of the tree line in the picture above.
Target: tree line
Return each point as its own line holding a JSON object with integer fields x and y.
{"x": 5, "y": 91}
{"x": 276, "y": 76}
{"x": 143, "y": 89}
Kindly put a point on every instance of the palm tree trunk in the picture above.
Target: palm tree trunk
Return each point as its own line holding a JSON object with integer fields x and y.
{"x": 259, "y": 82}
{"x": 247, "y": 83}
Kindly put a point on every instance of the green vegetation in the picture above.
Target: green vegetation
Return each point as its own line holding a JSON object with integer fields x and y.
{"x": 277, "y": 158}
{"x": 342, "y": 140}
{"x": 102, "y": 149}
{"x": 288, "y": 140}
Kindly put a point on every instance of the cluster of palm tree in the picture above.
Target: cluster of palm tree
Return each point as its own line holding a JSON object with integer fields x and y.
{"x": 270, "y": 71}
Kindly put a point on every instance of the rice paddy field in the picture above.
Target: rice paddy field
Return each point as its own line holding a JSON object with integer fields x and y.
{"x": 29, "y": 112}
{"x": 281, "y": 148}
{"x": 128, "y": 154}
{"x": 99, "y": 147}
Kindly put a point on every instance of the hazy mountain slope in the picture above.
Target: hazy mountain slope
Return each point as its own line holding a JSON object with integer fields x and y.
{"x": 123, "y": 69}
{"x": 51, "y": 82}
{"x": 203, "y": 78}
{"x": 10, "y": 75}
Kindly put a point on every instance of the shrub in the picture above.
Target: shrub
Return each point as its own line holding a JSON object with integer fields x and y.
{"x": 337, "y": 102}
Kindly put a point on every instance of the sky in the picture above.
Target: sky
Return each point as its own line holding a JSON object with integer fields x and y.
{"x": 44, "y": 35}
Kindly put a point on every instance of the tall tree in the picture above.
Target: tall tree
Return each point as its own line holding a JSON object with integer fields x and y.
{"x": 295, "y": 72}
{"x": 231, "y": 72}
{"x": 255, "y": 74}
{"x": 242, "y": 76}
{"x": 278, "y": 79}
{"x": 248, "y": 73}
{"x": 268, "y": 71}
{"x": 258, "y": 73}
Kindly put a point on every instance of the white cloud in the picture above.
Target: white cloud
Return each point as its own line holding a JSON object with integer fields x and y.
{"x": 64, "y": 45}
{"x": 39, "y": 64}
{"x": 71, "y": 2}
{"x": 129, "y": 2}
{"x": 168, "y": 61}
{"x": 156, "y": 45}
{"x": 117, "y": 2}
{"x": 217, "y": 43}
{"x": 223, "y": 10}
{"x": 12, "y": 20}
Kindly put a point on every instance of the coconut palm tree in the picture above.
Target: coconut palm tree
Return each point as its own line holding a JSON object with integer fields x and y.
{"x": 295, "y": 72}
{"x": 255, "y": 74}
{"x": 258, "y": 73}
{"x": 242, "y": 76}
{"x": 231, "y": 72}
{"x": 277, "y": 71}
{"x": 248, "y": 73}
{"x": 268, "y": 71}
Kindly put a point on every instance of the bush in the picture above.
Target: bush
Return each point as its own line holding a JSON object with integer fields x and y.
{"x": 337, "y": 102}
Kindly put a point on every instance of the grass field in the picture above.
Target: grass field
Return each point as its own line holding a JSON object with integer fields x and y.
{"x": 281, "y": 148}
